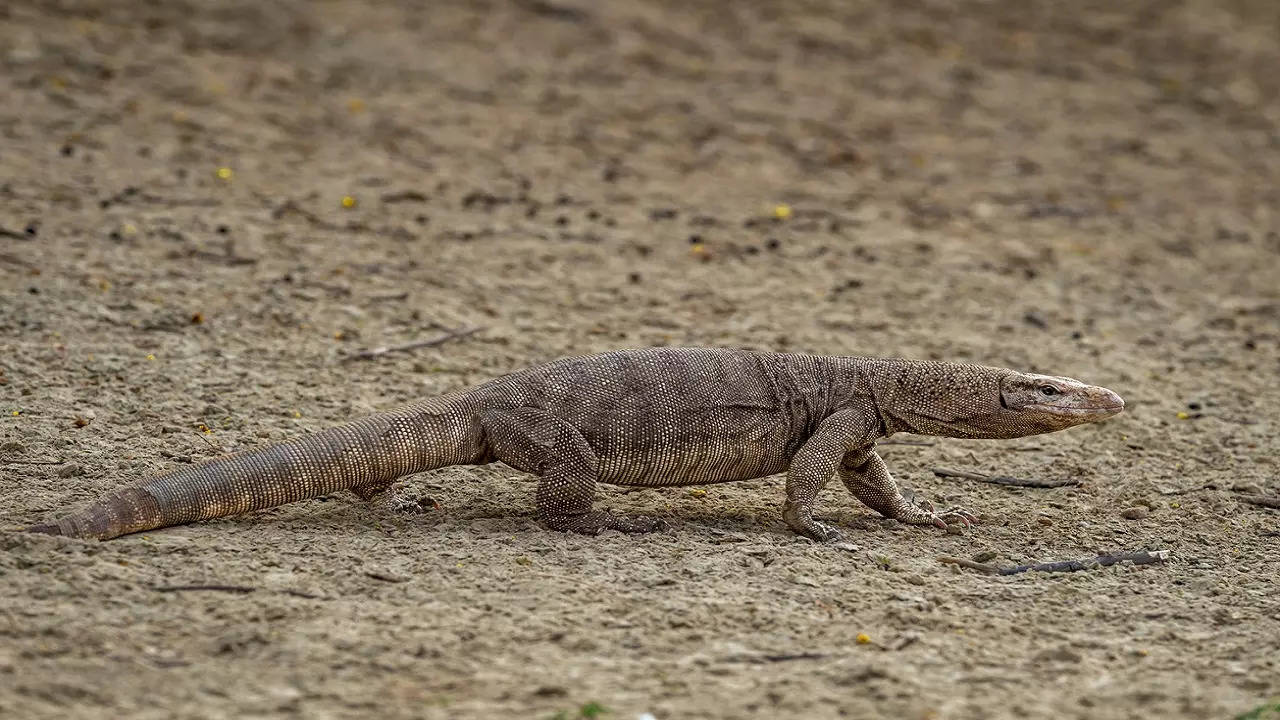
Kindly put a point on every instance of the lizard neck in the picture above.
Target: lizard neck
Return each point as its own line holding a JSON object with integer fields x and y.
{"x": 928, "y": 397}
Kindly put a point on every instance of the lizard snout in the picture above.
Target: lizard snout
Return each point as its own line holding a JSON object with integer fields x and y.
{"x": 1108, "y": 402}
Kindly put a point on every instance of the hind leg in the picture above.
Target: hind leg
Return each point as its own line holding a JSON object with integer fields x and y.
{"x": 540, "y": 443}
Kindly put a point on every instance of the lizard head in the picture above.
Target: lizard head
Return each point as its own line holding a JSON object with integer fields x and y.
{"x": 1045, "y": 403}
{"x": 974, "y": 401}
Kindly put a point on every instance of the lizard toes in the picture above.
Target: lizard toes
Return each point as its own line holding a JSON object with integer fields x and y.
{"x": 396, "y": 501}
{"x": 407, "y": 506}
{"x": 954, "y": 520}
{"x": 636, "y": 524}
{"x": 592, "y": 523}
{"x": 825, "y": 533}
{"x": 959, "y": 514}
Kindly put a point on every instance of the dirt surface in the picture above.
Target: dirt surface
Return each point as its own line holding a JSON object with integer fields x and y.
{"x": 1064, "y": 188}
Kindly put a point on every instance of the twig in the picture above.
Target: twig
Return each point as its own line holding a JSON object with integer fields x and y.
{"x": 289, "y": 206}
{"x": 793, "y": 656}
{"x": 405, "y": 196}
{"x": 379, "y": 351}
{"x": 1271, "y": 501}
{"x": 1143, "y": 557}
{"x": 1186, "y": 490}
{"x": 219, "y": 588}
{"x": 1004, "y": 480}
{"x": 972, "y": 565}
{"x": 772, "y": 658}
{"x": 35, "y": 462}
{"x": 210, "y": 443}
{"x": 228, "y": 257}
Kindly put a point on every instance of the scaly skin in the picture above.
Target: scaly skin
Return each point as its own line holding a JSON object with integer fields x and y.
{"x": 653, "y": 417}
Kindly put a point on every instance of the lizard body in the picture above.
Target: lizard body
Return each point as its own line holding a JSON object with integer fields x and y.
{"x": 651, "y": 417}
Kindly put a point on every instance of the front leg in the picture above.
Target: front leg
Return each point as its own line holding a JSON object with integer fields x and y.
{"x": 864, "y": 473}
{"x": 814, "y": 464}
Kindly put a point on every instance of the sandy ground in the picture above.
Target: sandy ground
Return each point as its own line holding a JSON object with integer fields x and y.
{"x": 1067, "y": 188}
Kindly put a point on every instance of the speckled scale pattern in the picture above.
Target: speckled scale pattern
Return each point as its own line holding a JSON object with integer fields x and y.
{"x": 652, "y": 417}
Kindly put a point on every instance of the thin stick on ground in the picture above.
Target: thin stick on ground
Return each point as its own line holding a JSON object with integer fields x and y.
{"x": 1270, "y": 501}
{"x": 1142, "y": 557}
{"x": 217, "y": 588}
{"x": 380, "y": 351}
{"x": 33, "y": 462}
{"x": 210, "y": 443}
{"x": 971, "y": 564}
{"x": 1004, "y": 479}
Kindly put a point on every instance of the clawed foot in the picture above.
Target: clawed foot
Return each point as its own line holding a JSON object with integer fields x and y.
{"x": 593, "y": 522}
{"x": 396, "y": 501}
{"x": 950, "y": 520}
{"x": 803, "y": 523}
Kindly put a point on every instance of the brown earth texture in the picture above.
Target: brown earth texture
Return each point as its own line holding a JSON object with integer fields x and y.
{"x": 207, "y": 208}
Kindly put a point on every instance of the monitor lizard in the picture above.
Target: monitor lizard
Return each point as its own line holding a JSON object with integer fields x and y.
{"x": 652, "y": 417}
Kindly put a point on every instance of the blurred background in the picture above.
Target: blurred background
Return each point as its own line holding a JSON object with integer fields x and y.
{"x": 208, "y": 208}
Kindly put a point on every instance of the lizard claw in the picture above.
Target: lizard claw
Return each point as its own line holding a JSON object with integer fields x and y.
{"x": 954, "y": 517}
{"x": 822, "y": 532}
{"x": 395, "y": 500}
{"x": 802, "y": 522}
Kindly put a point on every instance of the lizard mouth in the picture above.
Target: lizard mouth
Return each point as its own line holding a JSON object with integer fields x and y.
{"x": 1103, "y": 410}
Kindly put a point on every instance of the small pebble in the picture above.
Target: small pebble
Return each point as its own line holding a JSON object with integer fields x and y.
{"x": 1135, "y": 513}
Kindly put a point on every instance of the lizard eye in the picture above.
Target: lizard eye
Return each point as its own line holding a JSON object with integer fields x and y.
{"x": 1048, "y": 390}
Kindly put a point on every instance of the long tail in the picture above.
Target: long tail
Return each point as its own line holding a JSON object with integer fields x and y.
{"x": 366, "y": 454}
